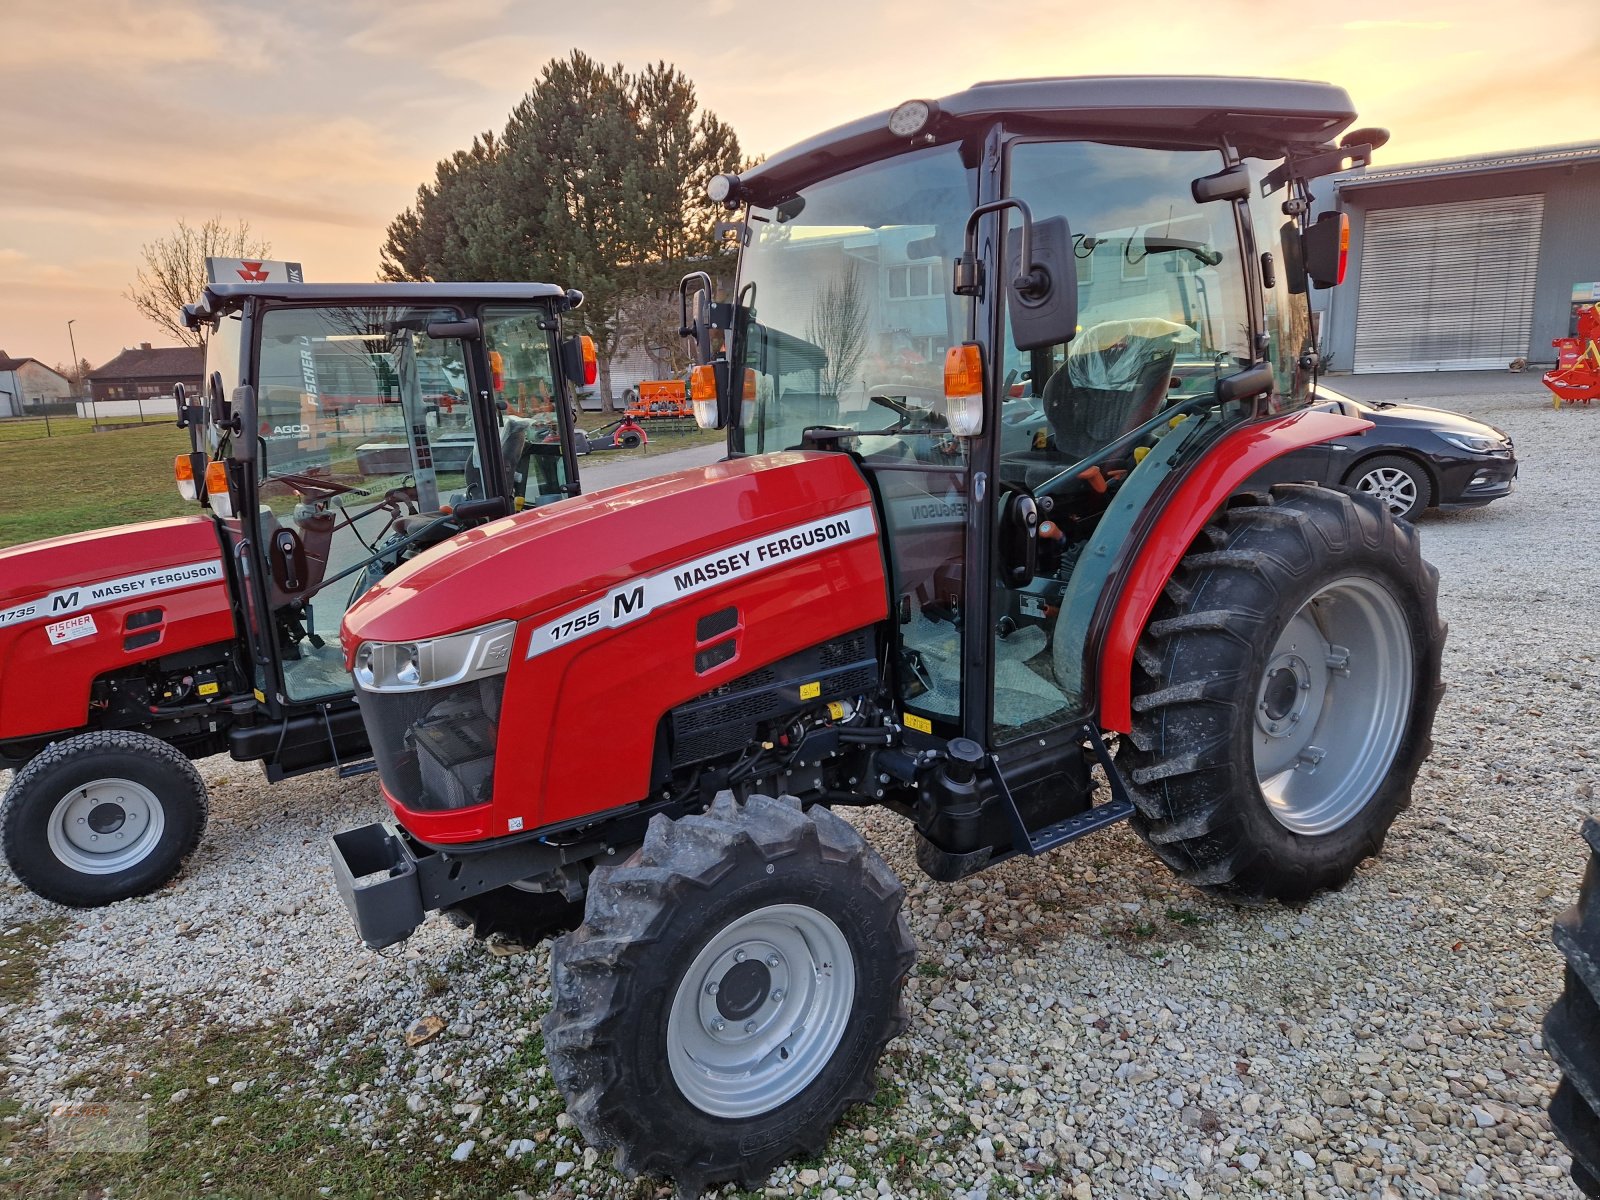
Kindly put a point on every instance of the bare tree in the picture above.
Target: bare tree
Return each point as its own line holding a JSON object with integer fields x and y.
{"x": 840, "y": 320}
{"x": 174, "y": 271}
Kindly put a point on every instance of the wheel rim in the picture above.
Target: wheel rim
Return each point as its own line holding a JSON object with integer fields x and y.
{"x": 1396, "y": 488}
{"x": 760, "y": 1011}
{"x": 1332, "y": 705}
{"x": 106, "y": 826}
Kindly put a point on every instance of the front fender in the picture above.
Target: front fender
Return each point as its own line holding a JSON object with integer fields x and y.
{"x": 1202, "y": 491}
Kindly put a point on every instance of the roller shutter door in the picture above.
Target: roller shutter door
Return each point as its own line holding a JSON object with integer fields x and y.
{"x": 1448, "y": 287}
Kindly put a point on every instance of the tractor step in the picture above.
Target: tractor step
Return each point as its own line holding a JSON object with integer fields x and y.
{"x": 1068, "y": 829}
{"x": 1080, "y": 825}
{"x": 351, "y": 770}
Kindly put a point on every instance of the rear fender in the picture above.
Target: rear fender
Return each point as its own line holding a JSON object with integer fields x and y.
{"x": 1201, "y": 492}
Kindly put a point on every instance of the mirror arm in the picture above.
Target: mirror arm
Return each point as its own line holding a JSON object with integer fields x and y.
{"x": 1032, "y": 282}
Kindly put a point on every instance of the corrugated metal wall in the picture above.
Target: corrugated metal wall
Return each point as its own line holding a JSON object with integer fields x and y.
{"x": 1448, "y": 287}
{"x": 1569, "y": 246}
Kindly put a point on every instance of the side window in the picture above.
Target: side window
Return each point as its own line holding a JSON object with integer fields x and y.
{"x": 526, "y": 391}
{"x": 1161, "y": 303}
{"x": 1288, "y": 311}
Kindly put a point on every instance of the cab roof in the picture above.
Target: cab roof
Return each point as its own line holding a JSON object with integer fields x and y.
{"x": 1263, "y": 117}
{"x": 219, "y": 298}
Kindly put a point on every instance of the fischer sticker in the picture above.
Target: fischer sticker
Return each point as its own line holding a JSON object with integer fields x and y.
{"x": 88, "y": 595}
{"x": 637, "y": 598}
{"x": 72, "y": 629}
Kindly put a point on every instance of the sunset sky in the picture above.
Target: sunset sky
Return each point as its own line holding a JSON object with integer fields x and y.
{"x": 317, "y": 122}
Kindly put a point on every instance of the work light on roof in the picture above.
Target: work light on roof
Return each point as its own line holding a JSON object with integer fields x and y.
{"x": 910, "y": 118}
{"x": 721, "y": 187}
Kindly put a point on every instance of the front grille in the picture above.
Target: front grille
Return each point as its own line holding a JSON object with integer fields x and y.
{"x": 435, "y": 748}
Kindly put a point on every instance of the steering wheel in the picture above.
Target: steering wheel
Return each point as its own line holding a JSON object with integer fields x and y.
{"x": 328, "y": 487}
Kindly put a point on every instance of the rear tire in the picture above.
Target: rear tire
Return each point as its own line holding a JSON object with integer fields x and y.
{"x": 730, "y": 991}
{"x": 1284, "y": 695}
{"x": 101, "y": 817}
{"x": 1572, "y": 1027}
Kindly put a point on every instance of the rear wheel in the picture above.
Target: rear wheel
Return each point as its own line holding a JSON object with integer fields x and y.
{"x": 1400, "y": 484}
{"x": 730, "y": 991}
{"x": 1572, "y": 1027}
{"x": 101, "y": 817}
{"x": 1284, "y": 695}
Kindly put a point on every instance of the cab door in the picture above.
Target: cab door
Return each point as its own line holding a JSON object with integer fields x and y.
{"x": 1094, "y": 427}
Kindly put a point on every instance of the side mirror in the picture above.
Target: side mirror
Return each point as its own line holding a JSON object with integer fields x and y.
{"x": 1246, "y": 384}
{"x": 1042, "y": 293}
{"x": 470, "y": 330}
{"x": 217, "y": 401}
{"x": 579, "y": 362}
{"x": 1325, "y": 247}
{"x": 246, "y": 436}
{"x": 1230, "y": 183}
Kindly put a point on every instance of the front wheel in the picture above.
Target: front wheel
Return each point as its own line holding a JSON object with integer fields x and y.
{"x": 1284, "y": 695}
{"x": 730, "y": 991}
{"x": 1400, "y": 484}
{"x": 102, "y": 816}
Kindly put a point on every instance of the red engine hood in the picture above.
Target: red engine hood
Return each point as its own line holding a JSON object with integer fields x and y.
{"x": 36, "y": 568}
{"x": 555, "y": 557}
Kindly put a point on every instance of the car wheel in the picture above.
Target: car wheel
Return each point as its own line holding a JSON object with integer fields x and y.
{"x": 1401, "y": 484}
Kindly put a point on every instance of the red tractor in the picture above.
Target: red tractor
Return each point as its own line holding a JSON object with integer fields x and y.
{"x": 957, "y": 599}
{"x": 344, "y": 429}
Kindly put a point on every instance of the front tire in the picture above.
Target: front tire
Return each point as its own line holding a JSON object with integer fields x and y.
{"x": 1572, "y": 1027}
{"x": 102, "y": 816}
{"x": 1284, "y": 695}
{"x": 730, "y": 991}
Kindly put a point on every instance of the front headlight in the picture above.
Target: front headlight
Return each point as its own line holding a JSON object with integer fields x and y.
{"x": 1475, "y": 443}
{"x": 435, "y": 662}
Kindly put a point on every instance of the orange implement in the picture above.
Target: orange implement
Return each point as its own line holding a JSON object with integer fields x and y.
{"x": 1576, "y": 379}
{"x": 660, "y": 398}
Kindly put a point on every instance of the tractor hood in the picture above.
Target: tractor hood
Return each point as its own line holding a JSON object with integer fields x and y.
{"x": 36, "y": 570}
{"x": 551, "y": 559}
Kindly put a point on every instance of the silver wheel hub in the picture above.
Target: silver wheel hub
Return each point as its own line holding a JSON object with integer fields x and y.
{"x": 1332, "y": 706}
{"x": 760, "y": 1011}
{"x": 1394, "y": 487}
{"x": 105, "y": 826}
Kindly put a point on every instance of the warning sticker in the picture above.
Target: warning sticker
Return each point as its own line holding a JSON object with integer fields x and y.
{"x": 72, "y": 630}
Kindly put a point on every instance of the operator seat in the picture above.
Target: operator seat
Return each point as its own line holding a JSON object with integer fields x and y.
{"x": 1114, "y": 379}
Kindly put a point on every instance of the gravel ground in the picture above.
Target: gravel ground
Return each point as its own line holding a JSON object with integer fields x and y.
{"x": 1082, "y": 1025}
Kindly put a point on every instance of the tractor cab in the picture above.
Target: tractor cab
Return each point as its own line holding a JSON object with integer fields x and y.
{"x": 1026, "y": 310}
{"x": 346, "y": 429}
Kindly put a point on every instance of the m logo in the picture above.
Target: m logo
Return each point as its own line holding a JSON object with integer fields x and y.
{"x": 64, "y": 602}
{"x": 251, "y": 272}
{"x": 627, "y": 602}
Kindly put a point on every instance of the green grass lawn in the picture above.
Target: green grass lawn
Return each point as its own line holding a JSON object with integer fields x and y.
{"x": 81, "y": 480}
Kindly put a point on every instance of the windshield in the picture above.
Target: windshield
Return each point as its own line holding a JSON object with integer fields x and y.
{"x": 850, "y": 309}
{"x": 367, "y": 433}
